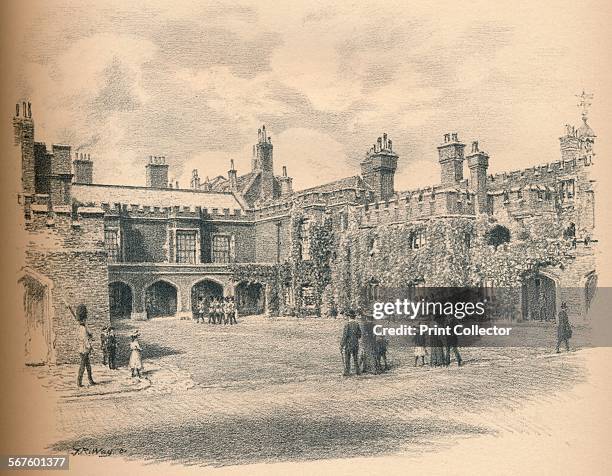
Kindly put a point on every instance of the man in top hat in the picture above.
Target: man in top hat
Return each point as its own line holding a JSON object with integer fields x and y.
{"x": 111, "y": 348}
{"x": 564, "y": 329}
{"x": 349, "y": 345}
{"x": 85, "y": 347}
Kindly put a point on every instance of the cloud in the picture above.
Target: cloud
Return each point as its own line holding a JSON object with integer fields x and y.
{"x": 194, "y": 80}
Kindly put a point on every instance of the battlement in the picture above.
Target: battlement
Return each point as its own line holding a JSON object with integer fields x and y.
{"x": 418, "y": 204}
{"x": 549, "y": 170}
{"x": 135, "y": 210}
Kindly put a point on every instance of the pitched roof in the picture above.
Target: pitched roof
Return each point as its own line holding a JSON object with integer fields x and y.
{"x": 348, "y": 183}
{"x": 153, "y": 197}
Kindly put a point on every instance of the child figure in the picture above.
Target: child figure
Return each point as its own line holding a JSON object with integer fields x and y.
{"x": 103, "y": 345}
{"x": 135, "y": 356}
{"x": 419, "y": 349}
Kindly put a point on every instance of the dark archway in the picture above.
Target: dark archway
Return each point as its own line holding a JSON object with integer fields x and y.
{"x": 36, "y": 311}
{"x": 539, "y": 294}
{"x": 250, "y": 298}
{"x": 161, "y": 299}
{"x": 206, "y": 290}
{"x": 120, "y": 300}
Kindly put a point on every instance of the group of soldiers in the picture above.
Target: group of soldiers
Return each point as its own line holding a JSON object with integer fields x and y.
{"x": 221, "y": 310}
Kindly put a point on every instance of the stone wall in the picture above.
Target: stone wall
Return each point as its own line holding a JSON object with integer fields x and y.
{"x": 71, "y": 255}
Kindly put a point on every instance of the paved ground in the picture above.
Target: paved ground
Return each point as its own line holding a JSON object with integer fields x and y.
{"x": 272, "y": 390}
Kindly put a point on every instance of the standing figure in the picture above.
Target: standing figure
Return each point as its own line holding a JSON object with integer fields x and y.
{"x": 103, "y": 337}
{"x": 135, "y": 355}
{"x": 225, "y": 307}
{"x": 148, "y": 307}
{"x": 564, "y": 329}
{"x": 349, "y": 345}
{"x": 452, "y": 343}
{"x": 111, "y": 346}
{"x": 200, "y": 307}
{"x": 436, "y": 346}
{"x": 219, "y": 310}
{"x": 420, "y": 349}
{"x": 211, "y": 310}
{"x": 85, "y": 346}
{"x": 233, "y": 310}
{"x": 215, "y": 308}
{"x": 381, "y": 353}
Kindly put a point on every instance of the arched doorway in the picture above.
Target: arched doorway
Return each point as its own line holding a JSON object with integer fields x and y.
{"x": 161, "y": 299}
{"x": 120, "y": 300}
{"x": 205, "y": 289}
{"x": 250, "y": 298}
{"x": 539, "y": 295}
{"x": 36, "y": 306}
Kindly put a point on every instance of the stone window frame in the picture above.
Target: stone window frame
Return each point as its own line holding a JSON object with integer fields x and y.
{"x": 230, "y": 250}
{"x": 197, "y": 250}
{"x": 113, "y": 257}
{"x": 304, "y": 237}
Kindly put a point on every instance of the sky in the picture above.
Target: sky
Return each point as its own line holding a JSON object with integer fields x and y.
{"x": 193, "y": 81}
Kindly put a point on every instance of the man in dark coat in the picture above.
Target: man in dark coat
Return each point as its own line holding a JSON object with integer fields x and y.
{"x": 381, "y": 353}
{"x": 452, "y": 343}
{"x": 564, "y": 330}
{"x": 111, "y": 346}
{"x": 349, "y": 344}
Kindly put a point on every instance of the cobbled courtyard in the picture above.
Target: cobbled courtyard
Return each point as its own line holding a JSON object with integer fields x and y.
{"x": 271, "y": 389}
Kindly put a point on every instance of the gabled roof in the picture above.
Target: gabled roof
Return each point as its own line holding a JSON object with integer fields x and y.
{"x": 348, "y": 183}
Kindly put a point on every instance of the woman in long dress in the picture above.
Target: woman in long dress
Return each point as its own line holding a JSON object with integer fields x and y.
{"x": 135, "y": 356}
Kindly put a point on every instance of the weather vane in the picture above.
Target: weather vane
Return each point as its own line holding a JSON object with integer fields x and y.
{"x": 585, "y": 102}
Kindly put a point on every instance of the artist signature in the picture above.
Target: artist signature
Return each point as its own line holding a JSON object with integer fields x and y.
{"x": 101, "y": 452}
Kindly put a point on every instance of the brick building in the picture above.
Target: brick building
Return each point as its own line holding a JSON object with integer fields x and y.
{"x": 121, "y": 249}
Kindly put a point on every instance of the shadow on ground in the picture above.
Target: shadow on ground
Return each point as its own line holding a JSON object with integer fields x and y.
{"x": 275, "y": 438}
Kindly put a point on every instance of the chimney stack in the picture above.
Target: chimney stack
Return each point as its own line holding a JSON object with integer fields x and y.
{"x": 157, "y": 172}
{"x": 450, "y": 154}
{"x": 232, "y": 175}
{"x": 286, "y": 183}
{"x": 83, "y": 169}
{"x": 478, "y": 162}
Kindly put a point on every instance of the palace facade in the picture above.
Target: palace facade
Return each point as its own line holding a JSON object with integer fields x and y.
{"x": 312, "y": 252}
